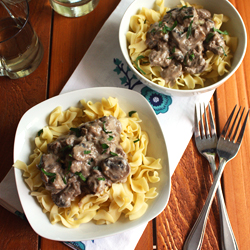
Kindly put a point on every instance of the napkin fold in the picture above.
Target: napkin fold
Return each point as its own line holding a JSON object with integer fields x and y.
{"x": 104, "y": 65}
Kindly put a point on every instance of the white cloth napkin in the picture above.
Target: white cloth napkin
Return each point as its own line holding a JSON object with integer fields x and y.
{"x": 104, "y": 65}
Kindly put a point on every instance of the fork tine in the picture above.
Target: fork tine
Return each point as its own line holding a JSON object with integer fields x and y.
{"x": 232, "y": 127}
{"x": 206, "y": 122}
{"x": 236, "y": 130}
{"x": 242, "y": 129}
{"x": 196, "y": 123}
{"x": 224, "y": 131}
{"x": 201, "y": 123}
{"x": 212, "y": 126}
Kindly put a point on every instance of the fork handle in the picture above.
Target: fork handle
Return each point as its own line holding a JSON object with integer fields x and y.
{"x": 228, "y": 240}
{"x": 195, "y": 238}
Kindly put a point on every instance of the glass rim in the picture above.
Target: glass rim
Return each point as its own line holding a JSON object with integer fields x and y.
{"x": 27, "y": 18}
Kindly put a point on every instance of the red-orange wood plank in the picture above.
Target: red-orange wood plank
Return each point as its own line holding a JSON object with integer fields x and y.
{"x": 17, "y": 96}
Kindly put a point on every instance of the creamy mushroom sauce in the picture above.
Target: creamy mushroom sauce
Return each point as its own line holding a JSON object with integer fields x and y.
{"x": 85, "y": 161}
{"x": 179, "y": 41}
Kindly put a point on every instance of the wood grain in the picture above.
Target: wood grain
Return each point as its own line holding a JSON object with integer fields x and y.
{"x": 17, "y": 96}
{"x": 75, "y": 34}
{"x": 190, "y": 185}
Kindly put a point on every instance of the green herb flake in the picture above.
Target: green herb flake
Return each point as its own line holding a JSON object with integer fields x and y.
{"x": 66, "y": 148}
{"x": 110, "y": 138}
{"x": 189, "y": 29}
{"x": 86, "y": 152}
{"x": 209, "y": 37}
{"x": 39, "y": 132}
{"x": 136, "y": 64}
{"x": 96, "y": 168}
{"x": 64, "y": 180}
{"x": 136, "y": 140}
{"x": 184, "y": 6}
{"x": 101, "y": 179}
{"x": 52, "y": 179}
{"x": 153, "y": 31}
{"x": 70, "y": 155}
{"x": 221, "y": 32}
{"x": 80, "y": 175}
{"x": 105, "y": 146}
{"x": 114, "y": 154}
{"x": 145, "y": 21}
{"x": 166, "y": 29}
{"x": 160, "y": 23}
{"x": 186, "y": 17}
{"x": 69, "y": 166}
{"x": 173, "y": 50}
{"x": 223, "y": 51}
{"x": 171, "y": 57}
{"x": 104, "y": 151}
{"x": 131, "y": 113}
{"x": 191, "y": 57}
{"x": 48, "y": 173}
{"x": 77, "y": 131}
{"x": 104, "y": 128}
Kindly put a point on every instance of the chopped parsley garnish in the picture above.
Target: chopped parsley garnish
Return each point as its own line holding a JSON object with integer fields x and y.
{"x": 191, "y": 57}
{"x": 131, "y": 113}
{"x": 223, "y": 50}
{"x": 209, "y": 36}
{"x": 105, "y": 147}
{"x": 153, "y": 31}
{"x": 69, "y": 166}
{"x": 77, "y": 131}
{"x": 184, "y": 6}
{"x": 91, "y": 160}
{"x": 221, "y": 32}
{"x": 186, "y": 17}
{"x": 189, "y": 29}
{"x": 66, "y": 148}
{"x": 173, "y": 50}
{"x": 145, "y": 21}
{"x": 114, "y": 154}
{"x": 87, "y": 152}
{"x": 70, "y": 155}
{"x": 80, "y": 175}
{"x": 171, "y": 57}
{"x": 110, "y": 138}
{"x": 40, "y": 132}
{"x": 64, "y": 180}
{"x": 101, "y": 179}
{"x": 136, "y": 140}
{"x": 160, "y": 23}
{"x": 48, "y": 173}
{"x": 96, "y": 168}
{"x": 136, "y": 64}
{"x": 166, "y": 29}
{"x": 104, "y": 128}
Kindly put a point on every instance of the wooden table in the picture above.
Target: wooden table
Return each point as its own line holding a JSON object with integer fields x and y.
{"x": 65, "y": 42}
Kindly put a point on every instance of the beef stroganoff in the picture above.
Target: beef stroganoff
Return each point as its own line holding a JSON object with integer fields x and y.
{"x": 91, "y": 163}
{"x": 180, "y": 48}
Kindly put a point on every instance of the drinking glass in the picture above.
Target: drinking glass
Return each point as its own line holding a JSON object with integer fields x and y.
{"x": 73, "y": 8}
{"x": 20, "y": 49}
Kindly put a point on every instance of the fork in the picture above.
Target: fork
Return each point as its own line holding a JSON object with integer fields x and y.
{"x": 206, "y": 143}
{"x": 226, "y": 149}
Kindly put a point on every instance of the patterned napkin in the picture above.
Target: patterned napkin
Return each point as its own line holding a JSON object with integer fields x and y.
{"x": 104, "y": 65}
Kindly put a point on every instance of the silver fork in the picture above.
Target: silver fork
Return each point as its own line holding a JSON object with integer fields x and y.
{"x": 227, "y": 149}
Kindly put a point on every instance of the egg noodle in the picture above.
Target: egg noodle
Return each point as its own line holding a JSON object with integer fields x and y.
{"x": 139, "y": 25}
{"x": 129, "y": 198}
